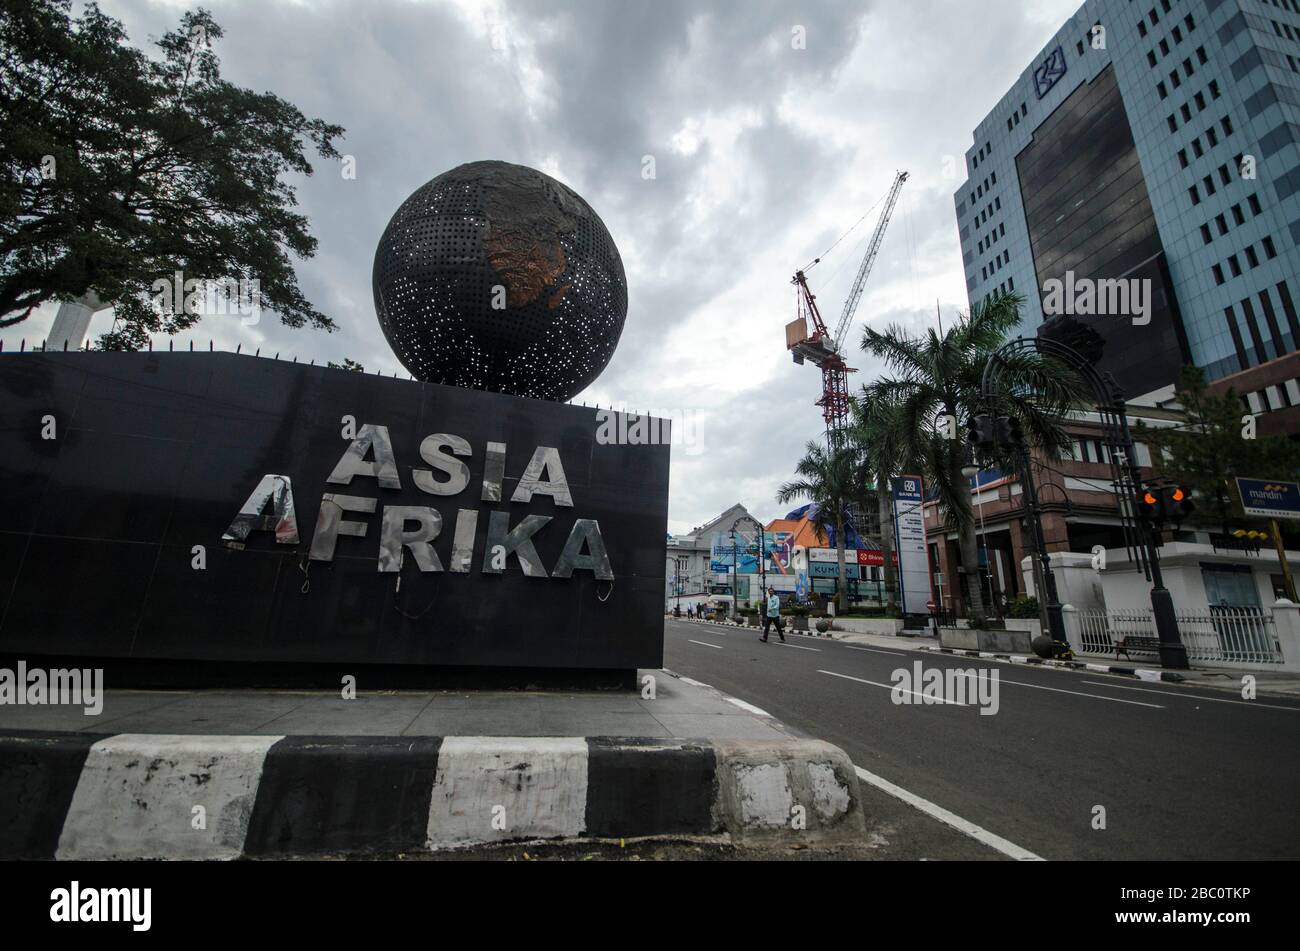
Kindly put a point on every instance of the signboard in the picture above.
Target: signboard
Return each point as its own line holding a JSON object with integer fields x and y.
{"x": 1049, "y": 72}
{"x": 777, "y": 547}
{"x": 852, "y": 556}
{"x": 1267, "y": 498}
{"x": 909, "y": 534}
{"x": 217, "y": 507}
{"x": 828, "y": 569}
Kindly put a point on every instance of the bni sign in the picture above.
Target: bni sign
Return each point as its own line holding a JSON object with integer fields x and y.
{"x": 1267, "y": 498}
{"x": 909, "y": 531}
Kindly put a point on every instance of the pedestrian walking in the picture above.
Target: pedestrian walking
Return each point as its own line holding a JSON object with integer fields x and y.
{"x": 772, "y": 616}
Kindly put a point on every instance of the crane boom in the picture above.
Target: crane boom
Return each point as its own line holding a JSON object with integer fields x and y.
{"x": 864, "y": 270}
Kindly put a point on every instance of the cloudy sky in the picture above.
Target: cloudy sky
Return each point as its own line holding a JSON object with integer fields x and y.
{"x": 764, "y": 155}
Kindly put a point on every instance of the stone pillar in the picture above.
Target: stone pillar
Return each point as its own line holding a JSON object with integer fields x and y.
{"x": 1286, "y": 620}
{"x": 1070, "y": 615}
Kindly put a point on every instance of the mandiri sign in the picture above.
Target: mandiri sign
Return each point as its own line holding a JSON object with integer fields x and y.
{"x": 1268, "y": 498}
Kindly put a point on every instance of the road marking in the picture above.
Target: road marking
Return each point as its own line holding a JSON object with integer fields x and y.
{"x": 1095, "y": 696}
{"x": 873, "y": 683}
{"x": 1192, "y": 696}
{"x": 716, "y": 647}
{"x": 798, "y": 648}
{"x": 978, "y": 833}
{"x": 873, "y": 650}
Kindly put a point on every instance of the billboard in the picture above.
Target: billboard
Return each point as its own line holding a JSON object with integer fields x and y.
{"x": 777, "y": 548}
{"x": 1268, "y": 498}
{"x": 909, "y": 533}
{"x": 217, "y": 507}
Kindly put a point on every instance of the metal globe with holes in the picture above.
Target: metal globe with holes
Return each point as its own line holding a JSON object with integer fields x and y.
{"x": 497, "y": 277}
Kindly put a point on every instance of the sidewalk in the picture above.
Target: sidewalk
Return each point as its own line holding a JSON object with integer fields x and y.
{"x": 1267, "y": 682}
{"x": 224, "y": 774}
{"x": 681, "y": 709}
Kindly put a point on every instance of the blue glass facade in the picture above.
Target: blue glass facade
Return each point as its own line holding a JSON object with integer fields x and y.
{"x": 1210, "y": 91}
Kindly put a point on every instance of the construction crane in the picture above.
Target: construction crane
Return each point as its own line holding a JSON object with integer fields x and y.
{"x": 824, "y": 349}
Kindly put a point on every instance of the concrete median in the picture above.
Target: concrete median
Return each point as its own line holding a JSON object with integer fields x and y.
{"x": 190, "y": 796}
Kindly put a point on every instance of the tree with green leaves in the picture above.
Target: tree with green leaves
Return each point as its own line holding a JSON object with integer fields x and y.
{"x": 1214, "y": 445}
{"x": 347, "y": 364}
{"x": 831, "y": 480}
{"x": 876, "y": 431}
{"x": 935, "y": 382}
{"x": 120, "y": 170}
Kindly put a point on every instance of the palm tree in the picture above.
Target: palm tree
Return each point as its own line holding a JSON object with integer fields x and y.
{"x": 936, "y": 387}
{"x": 829, "y": 478}
{"x": 876, "y": 432}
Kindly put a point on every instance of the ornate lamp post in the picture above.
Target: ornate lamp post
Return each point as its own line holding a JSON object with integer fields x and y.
{"x": 1125, "y": 478}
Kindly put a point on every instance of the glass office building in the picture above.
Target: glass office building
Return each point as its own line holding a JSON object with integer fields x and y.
{"x": 1158, "y": 142}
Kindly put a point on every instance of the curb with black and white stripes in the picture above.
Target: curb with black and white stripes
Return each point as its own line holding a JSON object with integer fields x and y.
{"x": 1141, "y": 673}
{"x": 155, "y": 796}
{"x": 752, "y": 627}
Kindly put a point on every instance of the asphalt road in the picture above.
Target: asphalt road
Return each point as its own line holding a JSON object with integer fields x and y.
{"x": 1181, "y": 773}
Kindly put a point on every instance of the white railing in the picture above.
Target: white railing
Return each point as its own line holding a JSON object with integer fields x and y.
{"x": 1233, "y": 636}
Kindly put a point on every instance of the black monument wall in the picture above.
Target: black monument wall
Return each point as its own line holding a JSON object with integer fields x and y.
{"x": 156, "y": 453}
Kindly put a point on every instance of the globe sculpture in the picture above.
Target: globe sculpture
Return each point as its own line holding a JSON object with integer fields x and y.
{"x": 495, "y": 276}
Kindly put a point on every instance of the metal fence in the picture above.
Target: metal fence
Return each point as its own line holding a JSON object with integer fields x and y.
{"x": 1222, "y": 635}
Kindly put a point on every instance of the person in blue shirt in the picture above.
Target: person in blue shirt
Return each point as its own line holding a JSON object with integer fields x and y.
{"x": 772, "y": 615}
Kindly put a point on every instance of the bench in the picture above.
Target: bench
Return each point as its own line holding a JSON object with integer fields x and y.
{"x": 1150, "y": 645}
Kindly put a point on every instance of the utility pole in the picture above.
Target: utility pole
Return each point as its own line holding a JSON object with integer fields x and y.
{"x": 1288, "y": 582}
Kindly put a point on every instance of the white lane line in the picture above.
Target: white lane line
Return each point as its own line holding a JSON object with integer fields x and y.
{"x": 873, "y": 683}
{"x": 978, "y": 833}
{"x": 1193, "y": 696}
{"x": 1076, "y": 693}
{"x": 873, "y": 650}
{"x": 716, "y": 647}
{"x": 797, "y": 647}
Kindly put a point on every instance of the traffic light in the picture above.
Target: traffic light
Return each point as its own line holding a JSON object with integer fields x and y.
{"x": 980, "y": 432}
{"x": 1009, "y": 432}
{"x": 1178, "y": 503}
{"x": 1165, "y": 503}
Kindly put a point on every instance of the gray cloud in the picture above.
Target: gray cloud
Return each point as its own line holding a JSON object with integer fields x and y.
{"x": 764, "y": 154}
